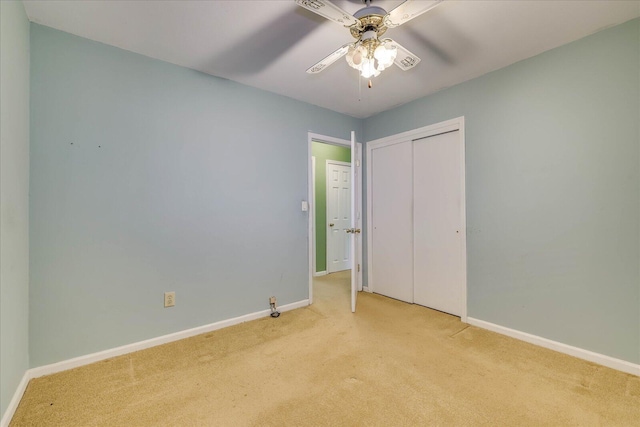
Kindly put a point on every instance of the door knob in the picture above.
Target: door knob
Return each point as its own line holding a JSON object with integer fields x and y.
{"x": 331, "y": 224}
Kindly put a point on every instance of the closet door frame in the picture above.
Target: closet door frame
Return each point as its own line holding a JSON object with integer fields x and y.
{"x": 423, "y": 132}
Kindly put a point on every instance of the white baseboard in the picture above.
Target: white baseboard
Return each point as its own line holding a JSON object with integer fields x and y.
{"x": 141, "y": 345}
{"x": 608, "y": 361}
{"x": 320, "y": 273}
{"x": 15, "y": 400}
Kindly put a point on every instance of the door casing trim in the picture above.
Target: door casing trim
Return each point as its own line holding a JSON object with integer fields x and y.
{"x": 311, "y": 137}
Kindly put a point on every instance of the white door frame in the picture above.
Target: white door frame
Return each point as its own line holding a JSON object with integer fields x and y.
{"x": 423, "y": 132}
{"x": 311, "y": 137}
{"x": 339, "y": 163}
{"x": 312, "y": 215}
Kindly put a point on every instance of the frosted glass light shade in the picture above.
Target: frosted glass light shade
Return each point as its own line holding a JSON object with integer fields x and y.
{"x": 358, "y": 57}
{"x": 385, "y": 55}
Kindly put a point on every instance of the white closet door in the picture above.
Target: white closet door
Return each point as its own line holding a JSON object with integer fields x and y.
{"x": 392, "y": 234}
{"x": 438, "y": 245}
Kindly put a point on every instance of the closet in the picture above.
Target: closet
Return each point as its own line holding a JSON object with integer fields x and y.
{"x": 417, "y": 220}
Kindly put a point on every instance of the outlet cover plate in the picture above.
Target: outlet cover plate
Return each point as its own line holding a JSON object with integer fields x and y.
{"x": 169, "y": 299}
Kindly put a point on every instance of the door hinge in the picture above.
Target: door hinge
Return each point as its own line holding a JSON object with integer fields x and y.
{"x": 358, "y": 268}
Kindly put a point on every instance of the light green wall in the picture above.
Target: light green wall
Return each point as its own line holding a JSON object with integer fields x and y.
{"x": 322, "y": 153}
{"x": 14, "y": 198}
{"x": 147, "y": 177}
{"x": 552, "y": 190}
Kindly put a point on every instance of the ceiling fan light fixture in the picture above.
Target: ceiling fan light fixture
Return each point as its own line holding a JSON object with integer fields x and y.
{"x": 355, "y": 56}
{"x": 369, "y": 69}
{"x": 371, "y": 56}
{"x": 385, "y": 54}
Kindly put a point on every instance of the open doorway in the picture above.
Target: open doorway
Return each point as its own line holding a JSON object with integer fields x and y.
{"x": 331, "y": 187}
{"x": 332, "y": 202}
{"x": 336, "y": 156}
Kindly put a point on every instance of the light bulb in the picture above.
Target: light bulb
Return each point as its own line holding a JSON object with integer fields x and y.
{"x": 380, "y": 53}
{"x": 385, "y": 53}
{"x": 357, "y": 57}
{"x": 369, "y": 69}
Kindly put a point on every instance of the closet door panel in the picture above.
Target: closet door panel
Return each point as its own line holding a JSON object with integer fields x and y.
{"x": 392, "y": 234}
{"x": 437, "y": 197}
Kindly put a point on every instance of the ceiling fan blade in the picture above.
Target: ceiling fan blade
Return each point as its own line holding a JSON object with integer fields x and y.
{"x": 407, "y": 11}
{"x": 324, "y": 63}
{"x": 405, "y": 59}
{"x": 328, "y": 10}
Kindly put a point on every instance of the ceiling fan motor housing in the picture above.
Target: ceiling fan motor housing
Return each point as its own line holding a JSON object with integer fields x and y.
{"x": 369, "y": 28}
{"x": 370, "y": 10}
{"x": 368, "y": 35}
{"x": 369, "y": 19}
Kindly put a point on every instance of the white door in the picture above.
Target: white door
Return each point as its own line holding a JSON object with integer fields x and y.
{"x": 356, "y": 220}
{"x": 438, "y": 243}
{"x": 391, "y": 219}
{"x": 338, "y": 216}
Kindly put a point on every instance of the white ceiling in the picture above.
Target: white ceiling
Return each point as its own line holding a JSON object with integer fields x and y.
{"x": 269, "y": 44}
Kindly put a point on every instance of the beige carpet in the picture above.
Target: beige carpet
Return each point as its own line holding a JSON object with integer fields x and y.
{"x": 390, "y": 364}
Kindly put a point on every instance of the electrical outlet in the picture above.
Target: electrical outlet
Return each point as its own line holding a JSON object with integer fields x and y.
{"x": 169, "y": 299}
{"x": 272, "y": 300}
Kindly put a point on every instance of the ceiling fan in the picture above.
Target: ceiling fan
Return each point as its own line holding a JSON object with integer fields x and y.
{"x": 370, "y": 54}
